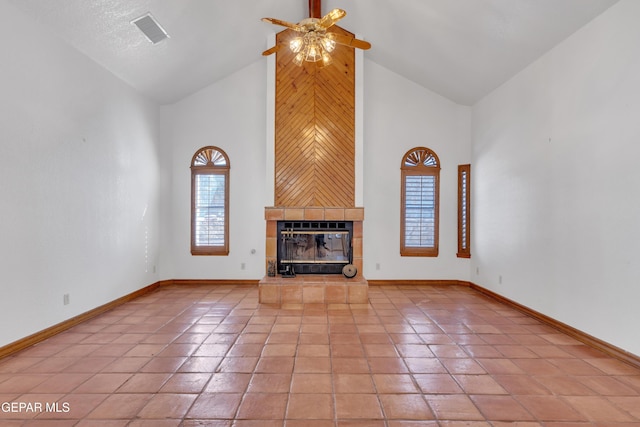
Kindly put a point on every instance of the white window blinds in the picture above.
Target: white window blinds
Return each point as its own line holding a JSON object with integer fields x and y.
{"x": 210, "y": 210}
{"x": 464, "y": 206}
{"x": 420, "y": 211}
{"x": 464, "y": 226}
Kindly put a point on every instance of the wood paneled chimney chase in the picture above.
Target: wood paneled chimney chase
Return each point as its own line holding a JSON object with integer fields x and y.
{"x": 315, "y": 130}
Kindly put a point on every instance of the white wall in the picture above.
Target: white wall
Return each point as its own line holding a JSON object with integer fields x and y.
{"x": 555, "y": 182}
{"x": 400, "y": 115}
{"x": 79, "y": 182}
{"x": 229, "y": 114}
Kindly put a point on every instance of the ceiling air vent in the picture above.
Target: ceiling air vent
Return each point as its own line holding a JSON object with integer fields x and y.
{"x": 150, "y": 28}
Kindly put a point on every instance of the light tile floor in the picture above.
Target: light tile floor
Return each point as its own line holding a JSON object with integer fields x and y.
{"x": 414, "y": 356}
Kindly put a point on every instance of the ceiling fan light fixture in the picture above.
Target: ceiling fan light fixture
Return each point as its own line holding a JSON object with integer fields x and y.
{"x": 326, "y": 58}
{"x": 328, "y": 44}
{"x": 298, "y": 59}
{"x": 296, "y": 44}
{"x": 314, "y": 53}
{"x": 312, "y": 47}
{"x": 314, "y": 43}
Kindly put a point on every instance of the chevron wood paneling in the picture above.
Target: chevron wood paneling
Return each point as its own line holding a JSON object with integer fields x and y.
{"x": 315, "y": 129}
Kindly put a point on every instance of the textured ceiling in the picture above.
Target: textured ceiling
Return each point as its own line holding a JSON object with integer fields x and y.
{"x": 461, "y": 49}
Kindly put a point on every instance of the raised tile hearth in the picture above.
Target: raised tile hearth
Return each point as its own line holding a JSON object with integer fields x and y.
{"x": 313, "y": 289}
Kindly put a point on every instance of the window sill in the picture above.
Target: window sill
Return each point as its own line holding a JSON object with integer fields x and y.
{"x": 209, "y": 251}
{"x": 430, "y": 252}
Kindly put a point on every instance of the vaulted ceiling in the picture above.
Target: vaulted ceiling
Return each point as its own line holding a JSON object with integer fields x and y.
{"x": 460, "y": 49}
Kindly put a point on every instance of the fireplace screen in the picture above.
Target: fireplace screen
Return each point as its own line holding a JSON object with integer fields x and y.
{"x": 319, "y": 250}
{"x": 316, "y": 247}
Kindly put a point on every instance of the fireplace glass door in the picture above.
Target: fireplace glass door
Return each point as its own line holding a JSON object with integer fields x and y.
{"x": 310, "y": 247}
{"x": 315, "y": 247}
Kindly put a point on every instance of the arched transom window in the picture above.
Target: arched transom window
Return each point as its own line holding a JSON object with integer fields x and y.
{"x": 420, "y": 170}
{"x": 210, "y": 202}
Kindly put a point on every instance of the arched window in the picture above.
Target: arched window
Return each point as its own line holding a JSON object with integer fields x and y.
{"x": 210, "y": 202}
{"x": 420, "y": 194}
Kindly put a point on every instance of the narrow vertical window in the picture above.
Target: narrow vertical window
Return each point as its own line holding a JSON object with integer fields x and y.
{"x": 420, "y": 197}
{"x": 464, "y": 204}
{"x": 210, "y": 202}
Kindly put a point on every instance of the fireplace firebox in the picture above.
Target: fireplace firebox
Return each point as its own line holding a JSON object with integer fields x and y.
{"x": 313, "y": 247}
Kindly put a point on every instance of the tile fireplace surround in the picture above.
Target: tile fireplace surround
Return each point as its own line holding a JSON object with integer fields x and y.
{"x": 314, "y": 288}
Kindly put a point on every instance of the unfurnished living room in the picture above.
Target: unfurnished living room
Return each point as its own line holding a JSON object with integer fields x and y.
{"x": 320, "y": 213}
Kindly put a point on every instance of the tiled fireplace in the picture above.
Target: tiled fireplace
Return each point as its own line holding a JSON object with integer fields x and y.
{"x": 314, "y": 288}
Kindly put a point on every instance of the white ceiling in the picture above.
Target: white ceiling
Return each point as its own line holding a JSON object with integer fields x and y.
{"x": 461, "y": 49}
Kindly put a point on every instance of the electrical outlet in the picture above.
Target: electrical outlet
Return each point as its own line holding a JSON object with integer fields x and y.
{"x": 65, "y": 299}
{"x": 377, "y": 266}
{"x": 477, "y": 271}
{"x": 500, "y": 279}
{"x": 242, "y": 266}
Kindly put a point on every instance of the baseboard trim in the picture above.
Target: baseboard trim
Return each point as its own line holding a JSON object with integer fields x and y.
{"x": 42, "y": 335}
{"x": 577, "y": 334}
{"x": 218, "y": 282}
{"x": 409, "y": 283}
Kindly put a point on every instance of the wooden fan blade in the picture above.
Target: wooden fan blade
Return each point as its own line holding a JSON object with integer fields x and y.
{"x": 349, "y": 41}
{"x": 275, "y": 21}
{"x": 272, "y": 50}
{"x": 331, "y": 18}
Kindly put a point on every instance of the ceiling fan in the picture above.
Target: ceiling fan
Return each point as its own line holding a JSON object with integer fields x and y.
{"x": 315, "y": 43}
